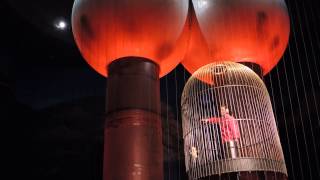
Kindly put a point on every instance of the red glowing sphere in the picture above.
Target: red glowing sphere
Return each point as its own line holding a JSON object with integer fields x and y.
{"x": 254, "y": 31}
{"x": 106, "y": 30}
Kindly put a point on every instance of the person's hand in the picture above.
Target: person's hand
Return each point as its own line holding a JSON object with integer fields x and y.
{"x": 205, "y": 120}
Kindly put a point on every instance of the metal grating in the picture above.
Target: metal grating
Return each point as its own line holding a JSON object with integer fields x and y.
{"x": 228, "y": 122}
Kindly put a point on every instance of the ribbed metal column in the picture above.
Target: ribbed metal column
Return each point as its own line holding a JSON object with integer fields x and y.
{"x": 133, "y": 137}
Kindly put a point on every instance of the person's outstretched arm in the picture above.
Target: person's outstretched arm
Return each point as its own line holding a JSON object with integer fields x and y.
{"x": 211, "y": 120}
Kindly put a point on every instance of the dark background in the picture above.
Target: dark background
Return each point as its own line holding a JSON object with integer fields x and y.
{"x": 52, "y": 102}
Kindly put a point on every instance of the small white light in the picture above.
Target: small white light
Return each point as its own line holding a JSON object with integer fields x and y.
{"x": 61, "y": 25}
{"x": 203, "y": 3}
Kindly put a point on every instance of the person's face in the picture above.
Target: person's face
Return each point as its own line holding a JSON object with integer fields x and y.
{"x": 223, "y": 111}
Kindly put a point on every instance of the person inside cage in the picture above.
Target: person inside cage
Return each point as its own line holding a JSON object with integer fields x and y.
{"x": 229, "y": 129}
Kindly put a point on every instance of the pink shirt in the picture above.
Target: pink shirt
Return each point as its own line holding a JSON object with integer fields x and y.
{"x": 229, "y": 127}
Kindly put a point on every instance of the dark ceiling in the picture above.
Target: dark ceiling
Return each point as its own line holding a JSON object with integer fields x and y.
{"x": 43, "y": 14}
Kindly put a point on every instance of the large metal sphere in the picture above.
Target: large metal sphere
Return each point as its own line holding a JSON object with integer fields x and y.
{"x": 240, "y": 30}
{"x": 198, "y": 51}
{"x": 106, "y": 30}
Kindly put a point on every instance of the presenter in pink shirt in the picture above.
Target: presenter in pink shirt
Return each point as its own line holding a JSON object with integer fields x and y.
{"x": 229, "y": 128}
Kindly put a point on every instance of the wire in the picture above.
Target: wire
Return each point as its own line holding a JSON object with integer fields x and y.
{"x": 285, "y": 120}
{"x": 296, "y": 87}
{"x": 304, "y": 88}
{"x": 168, "y": 126}
{"x": 177, "y": 120}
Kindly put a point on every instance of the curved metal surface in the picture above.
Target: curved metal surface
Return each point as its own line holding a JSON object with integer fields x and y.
{"x": 106, "y": 30}
{"x": 254, "y": 31}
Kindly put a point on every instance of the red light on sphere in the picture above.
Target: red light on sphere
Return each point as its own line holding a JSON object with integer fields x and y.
{"x": 198, "y": 51}
{"x": 240, "y": 31}
{"x": 106, "y": 30}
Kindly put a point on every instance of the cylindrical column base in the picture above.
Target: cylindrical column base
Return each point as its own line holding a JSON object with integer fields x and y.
{"x": 133, "y": 146}
{"x": 133, "y": 135}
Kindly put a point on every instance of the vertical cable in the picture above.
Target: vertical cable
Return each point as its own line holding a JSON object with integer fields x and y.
{"x": 168, "y": 125}
{"x": 293, "y": 118}
{"x": 177, "y": 123}
{"x": 304, "y": 88}
{"x": 311, "y": 43}
{"x": 296, "y": 89}
{"x": 273, "y": 102}
{"x": 314, "y": 21}
{"x": 285, "y": 122}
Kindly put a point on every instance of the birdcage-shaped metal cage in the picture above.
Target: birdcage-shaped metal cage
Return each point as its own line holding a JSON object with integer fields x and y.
{"x": 228, "y": 123}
